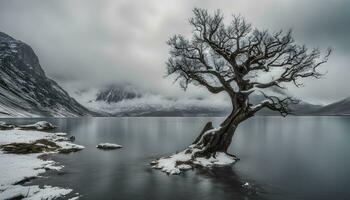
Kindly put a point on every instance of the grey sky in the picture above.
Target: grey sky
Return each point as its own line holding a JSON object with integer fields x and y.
{"x": 104, "y": 41}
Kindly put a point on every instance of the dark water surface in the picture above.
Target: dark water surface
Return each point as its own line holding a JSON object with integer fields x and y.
{"x": 283, "y": 158}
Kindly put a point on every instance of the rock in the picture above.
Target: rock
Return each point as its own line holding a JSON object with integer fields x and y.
{"x": 39, "y": 146}
{"x": 6, "y": 126}
{"x": 72, "y": 138}
{"x": 41, "y": 126}
{"x": 61, "y": 134}
{"x": 71, "y": 150}
{"x": 26, "y": 91}
{"x": 108, "y": 146}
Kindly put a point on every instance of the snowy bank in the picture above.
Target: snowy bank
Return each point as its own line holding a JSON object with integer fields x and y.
{"x": 108, "y": 146}
{"x": 18, "y": 163}
{"x": 185, "y": 160}
{"x": 25, "y": 141}
{"x": 34, "y": 192}
{"x": 41, "y": 126}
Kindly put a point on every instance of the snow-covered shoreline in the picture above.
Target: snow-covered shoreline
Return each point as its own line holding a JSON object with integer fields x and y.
{"x": 17, "y": 165}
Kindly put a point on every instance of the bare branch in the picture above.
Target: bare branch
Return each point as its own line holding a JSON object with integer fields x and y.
{"x": 275, "y": 103}
{"x": 222, "y": 57}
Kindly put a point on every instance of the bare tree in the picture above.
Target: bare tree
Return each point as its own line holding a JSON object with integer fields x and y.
{"x": 234, "y": 58}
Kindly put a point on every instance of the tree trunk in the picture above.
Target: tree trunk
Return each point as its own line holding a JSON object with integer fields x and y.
{"x": 207, "y": 127}
{"x": 217, "y": 140}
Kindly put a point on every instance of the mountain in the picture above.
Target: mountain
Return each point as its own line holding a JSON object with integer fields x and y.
{"x": 341, "y": 107}
{"x": 128, "y": 100}
{"x": 115, "y": 93}
{"x": 25, "y": 90}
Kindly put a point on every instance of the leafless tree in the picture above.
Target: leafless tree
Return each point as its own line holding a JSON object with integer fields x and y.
{"x": 233, "y": 58}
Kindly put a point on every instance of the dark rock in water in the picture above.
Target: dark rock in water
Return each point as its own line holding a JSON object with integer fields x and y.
{"x": 70, "y": 150}
{"x": 25, "y": 90}
{"x": 108, "y": 146}
{"x": 72, "y": 138}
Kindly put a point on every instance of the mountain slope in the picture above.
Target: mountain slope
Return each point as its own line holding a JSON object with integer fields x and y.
{"x": 341, "y": 107}
{"x": 25, "y": 91}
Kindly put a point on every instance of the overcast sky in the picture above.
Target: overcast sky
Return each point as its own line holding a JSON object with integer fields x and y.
{"x": 103, "y": 41}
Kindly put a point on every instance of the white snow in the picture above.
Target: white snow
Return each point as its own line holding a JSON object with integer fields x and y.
{"x": 69, "y": 145}
{"x": 108, "y": 146}
{"x": 169, "y": 164}
{"x": 220, "y": 159}
{"x": 34, "y": 192}
{"x": 260, "y": 104}
{"x": 185, "y": 159}
{"x": 22, "y": 136}
{"x": 15, "y": 168}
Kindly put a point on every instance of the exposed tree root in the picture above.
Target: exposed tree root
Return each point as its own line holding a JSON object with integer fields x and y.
{"x": 206, "y": 152}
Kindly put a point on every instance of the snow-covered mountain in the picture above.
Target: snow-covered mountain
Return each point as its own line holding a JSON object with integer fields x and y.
{"x": 128, "y": 100}
{"x": 25, "y": 91}
{"x": 115, "y": 93}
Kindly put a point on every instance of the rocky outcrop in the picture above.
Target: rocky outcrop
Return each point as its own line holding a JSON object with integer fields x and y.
{"x": 25, "y": 90}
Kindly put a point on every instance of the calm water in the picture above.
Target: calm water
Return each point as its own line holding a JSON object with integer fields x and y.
{"x": 283, "y": 158}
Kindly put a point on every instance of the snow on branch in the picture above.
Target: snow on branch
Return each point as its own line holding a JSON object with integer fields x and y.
{"x": 274, "y": 103}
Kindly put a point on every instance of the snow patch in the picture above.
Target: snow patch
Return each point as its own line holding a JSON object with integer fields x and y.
{"x": 69, "y": 145}
{"x": 22, "y": 136}
{"x": 246, "y": 184}
{"x": 16, "y": 168}
{"x": 34, "y": 192}
{"x": 185, "y": 160}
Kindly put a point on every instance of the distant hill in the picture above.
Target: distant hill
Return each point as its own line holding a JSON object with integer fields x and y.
{"x": 341, "y": 107}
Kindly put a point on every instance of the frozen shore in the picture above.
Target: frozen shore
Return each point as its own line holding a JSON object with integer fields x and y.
{"x": 21, "y": 152}
{"x": 185, "y": 160}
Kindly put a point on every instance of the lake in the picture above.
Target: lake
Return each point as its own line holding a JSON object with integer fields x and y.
{"x": 282, "y": 158}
